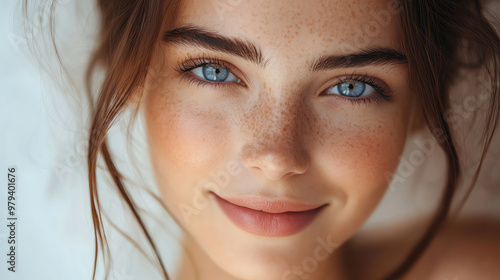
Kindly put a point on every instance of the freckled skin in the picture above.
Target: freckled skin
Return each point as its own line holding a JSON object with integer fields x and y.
{"x": 290, "y": 140}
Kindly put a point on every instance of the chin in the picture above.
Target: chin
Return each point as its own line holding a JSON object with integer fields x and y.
{"x": 248, "y": 256}
{"x": 264, "y": 264}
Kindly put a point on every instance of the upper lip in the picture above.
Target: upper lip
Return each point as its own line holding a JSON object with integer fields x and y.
{"x": 271, "y": 206}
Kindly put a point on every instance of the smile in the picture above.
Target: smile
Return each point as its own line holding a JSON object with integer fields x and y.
{"x": 268, "y": 218}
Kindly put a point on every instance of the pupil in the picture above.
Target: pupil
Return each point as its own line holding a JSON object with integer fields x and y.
{"x": 351, "y": 89}
{"x": 215, "y": 73}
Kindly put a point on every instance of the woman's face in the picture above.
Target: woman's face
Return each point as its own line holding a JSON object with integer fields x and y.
{"x": 280, "y": 106}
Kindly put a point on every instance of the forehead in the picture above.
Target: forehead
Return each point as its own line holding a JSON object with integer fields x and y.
{"x": 312, "y": 26}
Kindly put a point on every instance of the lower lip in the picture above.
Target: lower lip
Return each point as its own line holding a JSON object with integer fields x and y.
{"x": 267, "y": 224}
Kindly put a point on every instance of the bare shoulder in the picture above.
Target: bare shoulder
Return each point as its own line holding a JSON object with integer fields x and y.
{"x": 466, "y": 249}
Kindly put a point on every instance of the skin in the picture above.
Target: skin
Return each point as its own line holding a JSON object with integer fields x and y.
{"x": 279, "y": 135}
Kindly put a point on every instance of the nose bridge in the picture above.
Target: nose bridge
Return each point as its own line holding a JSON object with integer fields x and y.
{"x": 277, "y": 120}
{"x": 274, "y": 129}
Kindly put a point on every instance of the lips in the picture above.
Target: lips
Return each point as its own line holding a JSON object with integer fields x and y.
{"x": 268, "y": 218}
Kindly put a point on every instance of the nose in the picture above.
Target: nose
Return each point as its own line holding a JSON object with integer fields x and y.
{"x": 275, "y": 162}
{"x": 274, "y": 148}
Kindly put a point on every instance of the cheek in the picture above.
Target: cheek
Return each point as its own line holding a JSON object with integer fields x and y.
{"x": 184, "y": 137}
{"x": 369, "y": 152}
{"x": 185, "y": 145}
{"x": 359, "y": 157}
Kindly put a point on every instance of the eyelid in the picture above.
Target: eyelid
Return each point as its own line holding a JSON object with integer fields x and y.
{"x": 382, "y": 90}
{"x": 383, "y": 93}
{"x": 378, "y": 85}
{"x": 191, "y": 63}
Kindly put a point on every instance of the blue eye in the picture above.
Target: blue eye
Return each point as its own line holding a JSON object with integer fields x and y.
{"x": 351, "y": 89}
{"x": 215, "y": 73}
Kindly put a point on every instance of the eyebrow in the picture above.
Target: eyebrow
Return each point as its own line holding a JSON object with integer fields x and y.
{"x": 374, "y": 56}
{"x": 192, "y": 35}
{"x": 197, "y": 36}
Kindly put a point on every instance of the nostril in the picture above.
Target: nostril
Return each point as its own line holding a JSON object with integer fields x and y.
{"x": 276, "y": 162}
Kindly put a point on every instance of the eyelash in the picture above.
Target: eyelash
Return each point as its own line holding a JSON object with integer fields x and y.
{"x": 184, "y": 68}
{"x": 382, "y": 91}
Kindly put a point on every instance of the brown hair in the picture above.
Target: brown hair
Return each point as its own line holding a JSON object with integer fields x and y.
{"x": 130, "y": 31}
{"x": 432, "y": 33}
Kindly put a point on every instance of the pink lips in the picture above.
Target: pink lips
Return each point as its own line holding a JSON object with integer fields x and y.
{"x": 269, "y": 218}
